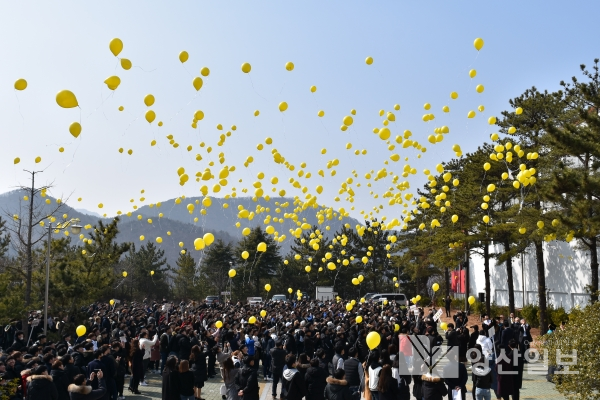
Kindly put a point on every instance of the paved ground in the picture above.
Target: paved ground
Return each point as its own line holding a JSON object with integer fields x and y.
{"x": 534, "y": 387}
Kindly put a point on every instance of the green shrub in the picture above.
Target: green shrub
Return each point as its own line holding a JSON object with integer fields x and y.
{"x": 496, "y": 310}
{"x": 531, "y": 313}
{"x": 557, "y": 316}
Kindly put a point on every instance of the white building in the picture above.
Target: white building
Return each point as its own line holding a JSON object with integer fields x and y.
{"x": 567, "y": 275}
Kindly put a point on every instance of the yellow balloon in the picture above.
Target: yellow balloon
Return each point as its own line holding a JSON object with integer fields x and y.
{"x": 66, "y": 99}
{"x": 454, "y": 218}
{"x": 81, "y": 329}
{"x": 151, "y": 273}
{"x": 262, "y": 247}
{"x": 246, "y": 67}
{"x": 197, "y": 82}
{"x": 112, "y": 82}
{"x": 268, "y": 287}
{"x": 472, "y": 73}
{"x": 355, "y": 281}
{"x": 252, "y": 320}
{"x": 246, "y": 231}
{"x": 478, "y": 43}
{"x": 373, "y": 340}
{"x": 479, "y": 88}
{"x": 219, "y": 324}
{"x": 149, "y": 100}
{"x": 384, "y": 133}
{"x": 519, "y": 111}
{"x": 349, "y": 306}
{"x": 444, "y": 326}
{"x": 283, "y": 106}
{"x": 75, "y": 129}
{"x": 263, "y": 313}
{"x": 150, "y": 116}
{"x": 183, "y": 56}
{"x": 125, "y": 64}
{"x": 359, "y": 319}
{"x": 454, "y": 95}
{"x": 245, "y": 255}
{"x": 307, "y": 268}
{"x": 16, "y": 160}
{"x": 124, "y": 274}
{"x": 289, "y": 66}
{"x": 313, "y": 89}
{"x": 369, "y": 60}
{"x": 435, "y": 287}
{"x": 21, "y": 84}
{"x": 199, "y": 244}
{"x": 471, "y": 299}
{"x": 111, "y": 302}
{"x": 159, "y": 240}
{"x": 205, "y": 71}
{"x": 290, "y": 290}
{"x": 232, "y": 273}
{"x": 115, "y": 46}
{"x": 208, "y": 238}
{"x": 38, "y": 159}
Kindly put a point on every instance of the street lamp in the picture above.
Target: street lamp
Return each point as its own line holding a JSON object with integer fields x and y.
{"x": 75, "y": 229}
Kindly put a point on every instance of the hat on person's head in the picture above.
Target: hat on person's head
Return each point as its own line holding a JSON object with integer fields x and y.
{"x": 288, "y": 324}
{"x": 41, "y": 336}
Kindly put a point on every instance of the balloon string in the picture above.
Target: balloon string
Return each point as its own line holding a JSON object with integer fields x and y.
{"x": 19, "y": 107}
{"x": 182, "y": 108}
{"x": 136, "y": 118}
{"x": 252, "y": 83}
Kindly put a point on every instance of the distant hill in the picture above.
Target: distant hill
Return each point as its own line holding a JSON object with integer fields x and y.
{"x": 176, "y": 219}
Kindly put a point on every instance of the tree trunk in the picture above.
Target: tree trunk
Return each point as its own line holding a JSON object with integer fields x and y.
{"x": 486, "y": 273}
{"x": 467, "y": 281}
{"x": 541, "y": 275}
{"x": 509, "y": 279}
{"x": 594, "y": 268}
{"x": 447, "y": 280}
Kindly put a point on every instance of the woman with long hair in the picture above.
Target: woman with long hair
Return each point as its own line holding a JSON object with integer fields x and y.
{"x": 228, "y": 373}
{"x": 170, "y": 380}
{"x": 136, "y": 364}
{"x": 198, "y": 362}
{"x": 186, "y": 381}
{"x": 387, "y": 386}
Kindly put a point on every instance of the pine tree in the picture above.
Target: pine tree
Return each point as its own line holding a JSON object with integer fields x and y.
{"x": 215, "y": 264}
{"x": 576, "y": 182}
{"x": 259, "y": 265}
{"x": 139, "y": 265}
{"x": 187, "y": 285}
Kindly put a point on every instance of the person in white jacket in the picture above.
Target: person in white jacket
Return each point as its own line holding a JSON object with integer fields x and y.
{"x": 146, "y": 347}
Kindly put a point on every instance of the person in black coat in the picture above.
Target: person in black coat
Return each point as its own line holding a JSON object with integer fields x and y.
{"x": 337, "y": 387}
{"x": 170, "y": 380}
{"x": 60, "y": 378}
{"x": 459, "y": 382}
{"x": 198, "y": 362}
{"x": 71, "y": 370}
{"x": 246, "y": 381}
{"x": 80, "y": 390}
{"x": 120, "y": 356}
{"x": 433, "y": 387}
{"x": 40, "y": 385}
{"x": 452, "y": 336}
{"x": 186, "y": 381}
{"x": 97, "y": 365}
{"x": 185, "y": 347}
{"x": 293, "y": 382}
{"x": 387, "y": 387}
{"x": 136, "y": 363}
{"x": 277, "y": 364}
{"x": 315, "y": 380}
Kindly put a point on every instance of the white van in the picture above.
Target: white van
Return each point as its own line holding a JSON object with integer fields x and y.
{"x": 400, "y": 298}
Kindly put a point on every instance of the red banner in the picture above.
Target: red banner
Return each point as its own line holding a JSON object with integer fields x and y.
{"x": 458, "y": 281}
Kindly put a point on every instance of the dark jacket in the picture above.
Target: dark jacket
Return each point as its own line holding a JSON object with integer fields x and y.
{"x": 316, "y": 380}
{"x": 86, "y": 392}
{"x": 186, "y": 383}
{"x": 390, "y": 391}
{"x": 185, "y": 348}
{"x": 337, "y": 389}
{"x": 41, "y": 387}
{"x": 170, "y": 384}
{"x": 354, "y": 371}
{"x": 452, "y": 338}
{"x": 461, "y": 381}
{"x": 165, "y": 339}
{"x": 293, "y": 383}
{"x": 246, "y": 381}
{"x": 433, "y": 388}
{"x": 198, "y": 367}
{"x": 61, "y": 381}
{"x": 482, "y": 378}
{"x": 277, "y": 360}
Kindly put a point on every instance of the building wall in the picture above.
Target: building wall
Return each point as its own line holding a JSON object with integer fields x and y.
{"x": 567, "y": 274}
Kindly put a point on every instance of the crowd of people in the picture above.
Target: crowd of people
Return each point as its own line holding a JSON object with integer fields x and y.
{"x": 308, "y": 349}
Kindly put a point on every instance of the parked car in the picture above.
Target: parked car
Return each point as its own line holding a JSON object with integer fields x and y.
{"x": 254, "y": 300}
{"x": 279, "y": 297}
{"x": 212, "y": 299}
{"x": 399, "y": 297}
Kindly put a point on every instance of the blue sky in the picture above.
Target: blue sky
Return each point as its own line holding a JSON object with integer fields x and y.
{"x": 422, "y": 52}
